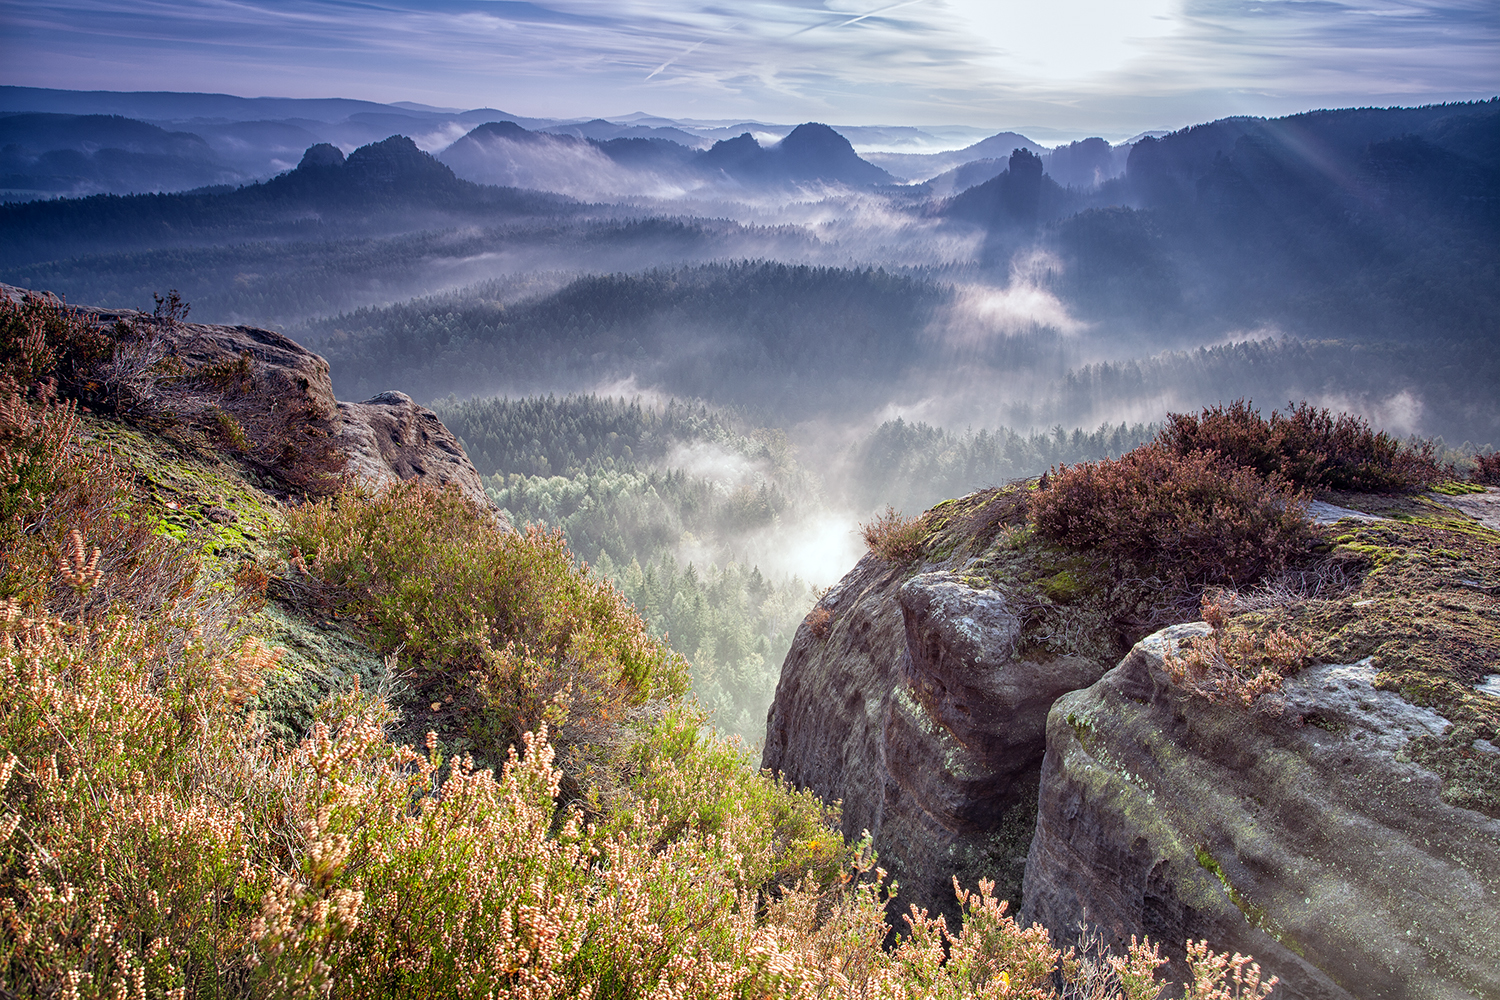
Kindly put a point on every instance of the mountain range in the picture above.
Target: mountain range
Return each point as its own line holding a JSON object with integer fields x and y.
{"x": 60, "y": 143}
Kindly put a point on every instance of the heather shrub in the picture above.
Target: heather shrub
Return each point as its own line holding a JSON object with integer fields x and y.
{"x": 702, "y": 782}
{"x": 40, "y": 340}
{"x": 1190, "y": 518}
{"x": 1487, "y": 469}
{"x": 155, "y": 842}
{"x": 508, "y": 614}
{"x": 54, "y": 488}
{"x": 1307, "y": 447}
{"x": 893, "y": 537}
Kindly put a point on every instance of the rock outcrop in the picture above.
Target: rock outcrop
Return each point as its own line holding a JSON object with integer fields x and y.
{"x": 260, "y": 398}
{"x": 912, "y": 695}
{"x": 389, "y": 437}
{"x": 1344, "y": 829}
{"x": 1301, "y": 835}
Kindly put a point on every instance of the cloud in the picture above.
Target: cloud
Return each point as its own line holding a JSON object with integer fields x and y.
{"x": 1399, "y": 413}
{"x": 1114, "y": 65}
{"x": 980, "y": 314}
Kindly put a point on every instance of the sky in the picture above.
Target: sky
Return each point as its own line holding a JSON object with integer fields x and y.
{"x": 1075, "y": 67}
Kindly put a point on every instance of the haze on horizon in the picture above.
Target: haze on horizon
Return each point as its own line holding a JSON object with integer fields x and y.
{"x": 1072, "y": 68}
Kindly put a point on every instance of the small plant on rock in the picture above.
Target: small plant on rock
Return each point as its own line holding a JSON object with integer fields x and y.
{"x": 893, "y": 537}
{"x": 1234, "y": 666}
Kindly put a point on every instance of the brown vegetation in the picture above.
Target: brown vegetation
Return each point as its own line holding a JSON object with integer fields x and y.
{"x": 893, "y": 537}
{"x": 1309, "y": 448}
{"x": 1192, "y": 519}
{"x": 1235, "y": 665}
{"x": 1487, "y": 469}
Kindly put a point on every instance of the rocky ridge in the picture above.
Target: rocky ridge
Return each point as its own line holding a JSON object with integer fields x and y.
{"x": 1345, "y": 830}
{"x": 261, "y": 398}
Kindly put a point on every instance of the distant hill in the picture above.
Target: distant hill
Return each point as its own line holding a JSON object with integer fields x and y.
{"x": 812, "y": 152}
{"x": 923, "y": 166}
{"x": 177, "y": 106}
{"x": 383, "y": 187}
{"x": 1020, "y": 197}
{"x": 506, "y": 153}
{"x": 47, "y": 155}
{"x": 1360, "y": 223}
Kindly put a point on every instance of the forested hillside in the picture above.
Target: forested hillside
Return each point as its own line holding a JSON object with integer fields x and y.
{"x": 757, "y": 334}
{"x": 789, "y": 344}
{"x": 1366, "y": 224}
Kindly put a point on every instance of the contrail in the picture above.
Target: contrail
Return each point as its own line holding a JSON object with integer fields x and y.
{"x": 856, "y": 20}
{"x": 684, "y": 53}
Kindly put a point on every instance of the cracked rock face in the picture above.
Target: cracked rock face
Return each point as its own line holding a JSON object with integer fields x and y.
{"x": 1300, "y": 835}
{"x": 916, "y": 712}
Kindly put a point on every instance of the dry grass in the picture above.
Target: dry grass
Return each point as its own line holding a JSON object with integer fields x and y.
{"x": 894, "y": 537}
{"x": 1235, "y": 665}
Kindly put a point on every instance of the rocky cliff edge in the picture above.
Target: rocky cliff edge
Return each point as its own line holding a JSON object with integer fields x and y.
{"x": 262, "y": 399}
{"x": 986, "y": 700}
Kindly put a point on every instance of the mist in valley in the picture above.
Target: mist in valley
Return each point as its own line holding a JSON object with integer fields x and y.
{"x": 709, "y": 352}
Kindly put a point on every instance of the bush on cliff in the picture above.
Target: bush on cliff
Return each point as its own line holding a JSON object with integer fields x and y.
{"x": 503, "y": 622}
{"x": 893, "y": 537}
{"x": 1192, "y": 519}
{"x": 1308, "y": 447}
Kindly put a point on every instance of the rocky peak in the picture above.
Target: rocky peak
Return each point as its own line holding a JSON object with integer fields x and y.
{"x": 323, "y": 155}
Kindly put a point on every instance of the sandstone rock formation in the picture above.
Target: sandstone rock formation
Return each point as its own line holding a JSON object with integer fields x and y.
{"x": 1299, "y": 834}
{"x": 261, "y": 398}
{"x": 390, "y": 437}
{"x": 918, "y": 708}
{"x": 1344, "y": 830}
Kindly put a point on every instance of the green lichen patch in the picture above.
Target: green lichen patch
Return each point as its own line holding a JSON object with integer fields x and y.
{"x": 1457, "y": 488}
{"x": 1255, "y": 915}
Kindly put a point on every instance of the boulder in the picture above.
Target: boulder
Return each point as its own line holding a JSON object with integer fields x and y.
{"x": 389, "y": 437}
{"x": 260, "y": 398}
{"x": 1299, "y": 832}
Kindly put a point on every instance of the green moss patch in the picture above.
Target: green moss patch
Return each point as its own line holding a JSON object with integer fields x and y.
{"x": 1457, "y": 488}
{"x": 1426, "y": 609}
{"x": 192, "y": 495}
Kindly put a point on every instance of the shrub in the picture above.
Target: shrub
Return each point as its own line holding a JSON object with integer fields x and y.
{"x": 431, "y": 572}
{"x": 819, "y": 622}
{"x": 1308, "y": 447}
{"x": 1487, "y": 469}
{"x": 42, "y": 340}
{"x": 893, "y": 537}
{"x": 155, "y": 843}
{"x": 53, "y": 487}
{"x": 1190, "y": 518}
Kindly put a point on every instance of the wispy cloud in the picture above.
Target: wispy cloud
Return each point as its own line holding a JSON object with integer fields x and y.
{"x": 1111, "y": 65}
